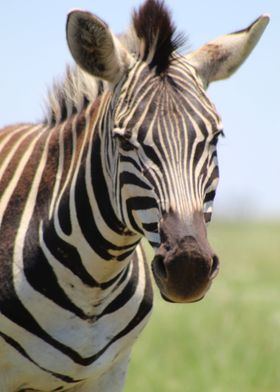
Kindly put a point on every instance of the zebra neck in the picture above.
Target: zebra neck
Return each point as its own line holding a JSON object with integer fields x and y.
{"x": 82, "y": 219}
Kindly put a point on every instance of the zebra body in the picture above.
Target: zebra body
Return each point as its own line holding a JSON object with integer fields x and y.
{"x": 85, "y": 311}
{"x": 84, "y": 321}
{"x": 133, "y": 155}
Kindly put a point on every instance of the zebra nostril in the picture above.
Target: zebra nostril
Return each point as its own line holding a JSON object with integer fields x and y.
{"x": 159, "y": 266}
{"x": 214, "y": 268}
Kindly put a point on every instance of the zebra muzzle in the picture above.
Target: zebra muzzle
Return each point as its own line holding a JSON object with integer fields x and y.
{"x": 184, "y": 266}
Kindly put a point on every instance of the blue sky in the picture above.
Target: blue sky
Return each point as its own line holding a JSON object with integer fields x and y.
{"x": 34, "y": 52}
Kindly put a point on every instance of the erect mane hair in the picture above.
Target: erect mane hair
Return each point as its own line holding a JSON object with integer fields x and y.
{"x": 71, "y": 95}
{"x": 157, "y": 34}
{"x": 151, "y": 38}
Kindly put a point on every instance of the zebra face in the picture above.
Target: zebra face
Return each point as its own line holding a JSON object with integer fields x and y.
{"x": 160, "y": 134}
{"x": 166, "y": 132}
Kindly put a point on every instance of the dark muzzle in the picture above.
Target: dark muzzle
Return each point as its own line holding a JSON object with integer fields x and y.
{"x": 184, "y": 268}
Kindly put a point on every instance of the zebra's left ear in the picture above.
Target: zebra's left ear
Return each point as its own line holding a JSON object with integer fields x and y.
{"x": 95, "y": 48}
{"x": 220, "y": 58}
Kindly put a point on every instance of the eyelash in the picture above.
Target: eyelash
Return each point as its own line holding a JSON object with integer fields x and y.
{"x": 215, "y": 139}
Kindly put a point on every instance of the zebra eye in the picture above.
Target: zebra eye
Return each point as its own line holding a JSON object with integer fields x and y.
{"x": 215, "y": 138}
{"x": 125, "y": 144}
{"x": 124, "y": 137}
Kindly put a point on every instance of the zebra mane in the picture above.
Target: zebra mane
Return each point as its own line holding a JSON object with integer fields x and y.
{"x": 152, "y": 38}
{"x": 71, "y": 95}
{"x": 157, "y": 37}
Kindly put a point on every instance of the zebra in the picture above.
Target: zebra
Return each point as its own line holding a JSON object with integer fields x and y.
{"x": 128, "y": 149}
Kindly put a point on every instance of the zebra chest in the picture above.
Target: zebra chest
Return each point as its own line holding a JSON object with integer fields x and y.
{"x": 45, "y": 347}
{"x": 63, "y": 357}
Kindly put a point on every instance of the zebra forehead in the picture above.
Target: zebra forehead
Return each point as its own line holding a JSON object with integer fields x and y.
{"x": 177, "y": 99}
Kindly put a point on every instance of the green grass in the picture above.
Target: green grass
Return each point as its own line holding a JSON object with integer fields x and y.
{"x": 230, "y": 341}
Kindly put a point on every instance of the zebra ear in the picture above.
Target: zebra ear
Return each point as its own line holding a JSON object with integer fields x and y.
{"x": 220, "y": 58}
{"x": 94, "y": 48}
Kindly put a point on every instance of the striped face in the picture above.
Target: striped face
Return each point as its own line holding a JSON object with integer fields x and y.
{"x": 166, "y": 131}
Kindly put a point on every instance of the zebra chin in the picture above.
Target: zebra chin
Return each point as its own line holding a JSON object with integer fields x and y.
{"x": 184, "y": 265}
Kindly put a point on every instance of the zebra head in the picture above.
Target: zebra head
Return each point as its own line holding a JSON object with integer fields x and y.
{"x": 160, "y": 133}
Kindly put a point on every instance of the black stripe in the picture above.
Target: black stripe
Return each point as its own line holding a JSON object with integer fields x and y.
{"x": 101, "y": 191}
{"x": 25, "y": 320}
{"x": 86, "y": 220}
{"x": 154, "y": 244}
{"x": 143, "y": 310}
{"x": 64, "y": 213}
{"x": 88, "y": 224}
{"x": 209, "y": 196}
{"x": 151, "y": 227}
{"x": 132, "y": 179}
{"x": 151, "y": 154}
{"x": 21, "y": 350}
{"x": 109, "y": 283}
{"x": 125, "y": 158}
{"x": 214, "y": 176}
{"x": 125, "y": 255}
{"x": 139, "y": 203}
{"x": 199, "y": 150}
{"x": 68, "y": 147}
{"x": 106, "y": 285}
{"x": 16, "y": 312}
{"x": 41, "y": 276}
{"x": 67, "y": 255}
{"x": 126, "y": 294}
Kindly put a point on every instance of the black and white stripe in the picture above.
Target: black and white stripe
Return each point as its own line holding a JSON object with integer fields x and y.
{"x": 115, "y": 157}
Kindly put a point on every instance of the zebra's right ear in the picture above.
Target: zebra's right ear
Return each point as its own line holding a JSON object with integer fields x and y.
{"x": 94, "y": 48}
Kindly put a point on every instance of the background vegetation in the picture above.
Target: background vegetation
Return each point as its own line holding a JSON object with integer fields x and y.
{"x": 229, "y": 342}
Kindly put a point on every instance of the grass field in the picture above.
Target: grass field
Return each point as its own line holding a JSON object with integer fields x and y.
{"x": 229, "y": 342}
